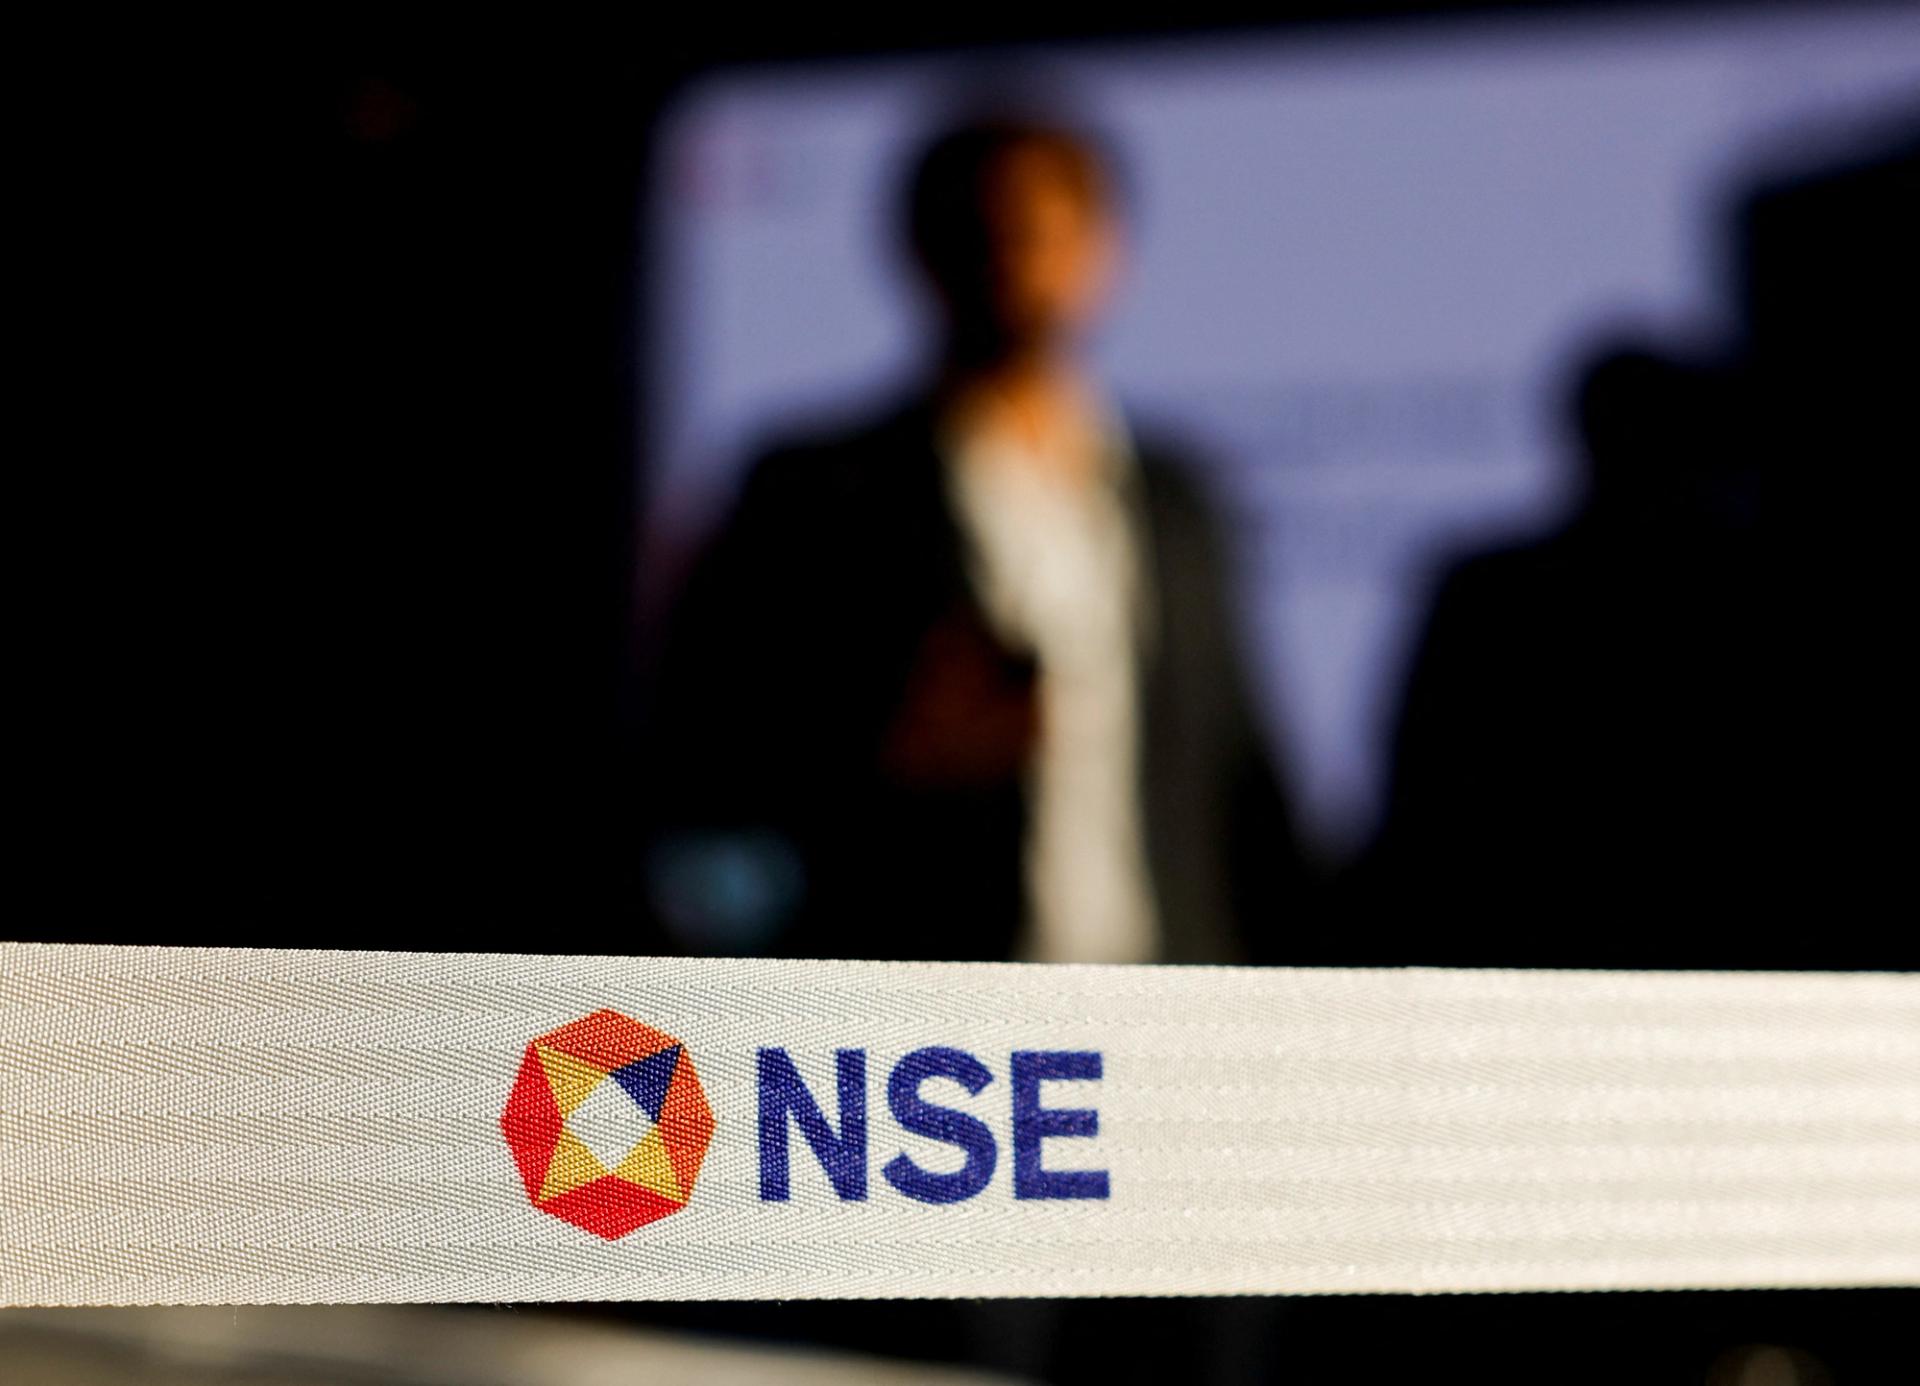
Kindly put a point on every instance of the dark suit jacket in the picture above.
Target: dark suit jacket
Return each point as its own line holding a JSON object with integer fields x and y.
{"x": 800, "y": 656}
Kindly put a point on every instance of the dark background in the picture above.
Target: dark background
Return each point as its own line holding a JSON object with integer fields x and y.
{"x": 333, "y": 564}
{"x": 327, "y": 497}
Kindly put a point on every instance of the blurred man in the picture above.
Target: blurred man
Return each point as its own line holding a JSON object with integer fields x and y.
{"x": 1577, "y": 734}
{"x": 960, "y": 682}
{"x": 1692, "y": 708}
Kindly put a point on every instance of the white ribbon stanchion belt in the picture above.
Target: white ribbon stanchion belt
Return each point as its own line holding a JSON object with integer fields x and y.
{"x": 260, "y": 1126}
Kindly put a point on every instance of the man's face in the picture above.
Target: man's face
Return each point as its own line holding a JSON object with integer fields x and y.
{"x": 1042, "y": 257}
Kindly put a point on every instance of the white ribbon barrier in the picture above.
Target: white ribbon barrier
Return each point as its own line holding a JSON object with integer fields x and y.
{"x": 263, "y": 1126}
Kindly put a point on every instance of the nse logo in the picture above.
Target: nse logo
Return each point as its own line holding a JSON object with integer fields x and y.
{"x": 609, "y": 1124}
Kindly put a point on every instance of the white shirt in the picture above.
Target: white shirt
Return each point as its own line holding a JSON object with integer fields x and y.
{"x": 1057, "y": 568}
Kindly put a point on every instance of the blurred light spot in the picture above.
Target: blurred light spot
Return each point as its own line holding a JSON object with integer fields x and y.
{"x": 725, "y": 892}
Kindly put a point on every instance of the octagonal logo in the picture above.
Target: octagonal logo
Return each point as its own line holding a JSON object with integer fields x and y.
{"x": 608, "y": 1124}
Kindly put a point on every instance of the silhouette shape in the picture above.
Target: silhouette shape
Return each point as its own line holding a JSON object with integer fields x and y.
{"x": 1673, "y": 734}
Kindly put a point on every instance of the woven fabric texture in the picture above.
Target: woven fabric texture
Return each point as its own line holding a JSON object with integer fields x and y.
{"x": 267, "y": 1126}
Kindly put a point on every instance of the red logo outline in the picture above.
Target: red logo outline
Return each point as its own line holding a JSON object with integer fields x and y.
{"x": 652, "y": 1070}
